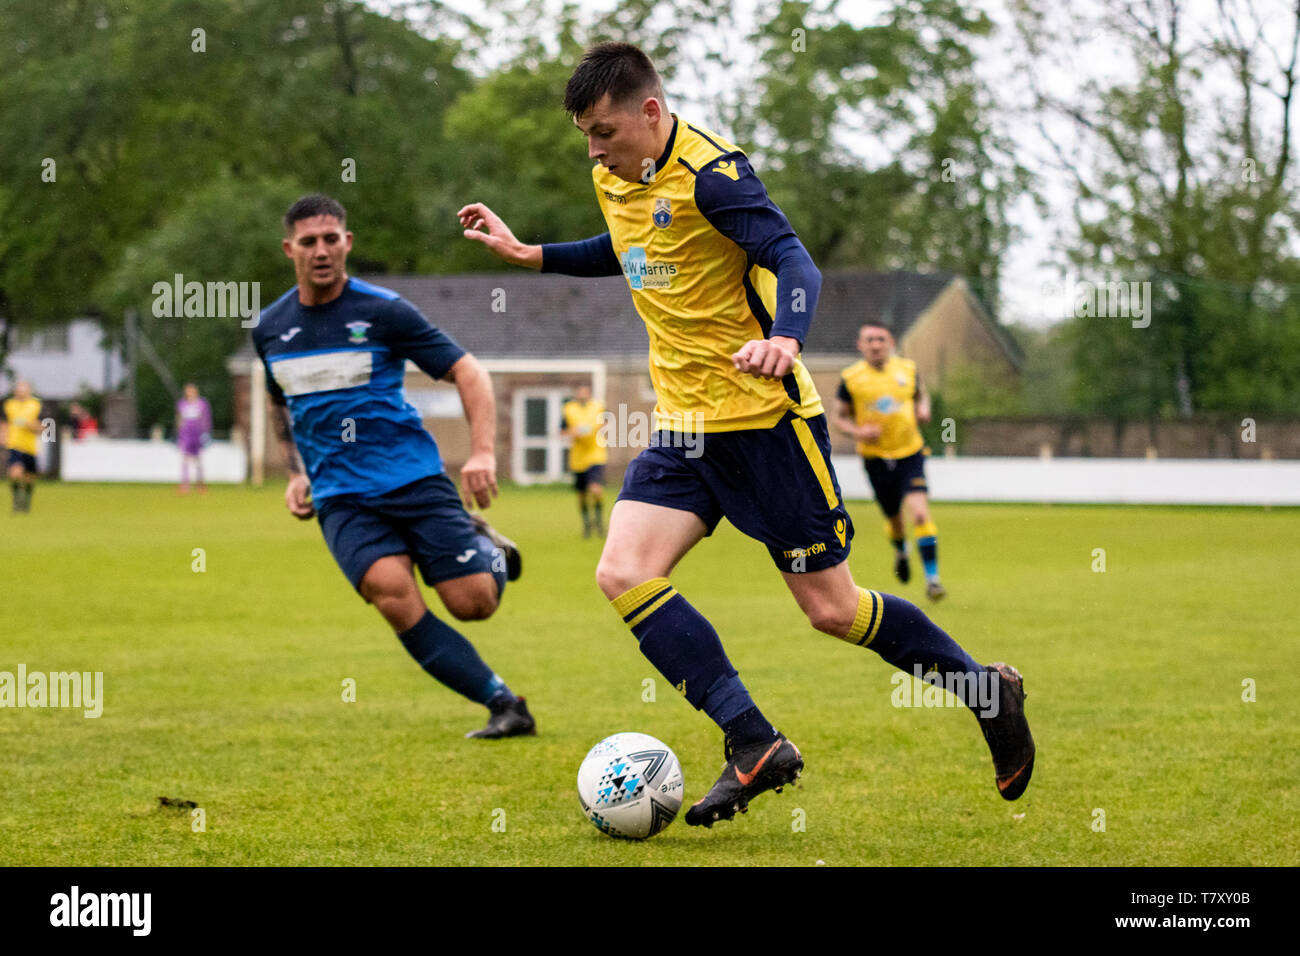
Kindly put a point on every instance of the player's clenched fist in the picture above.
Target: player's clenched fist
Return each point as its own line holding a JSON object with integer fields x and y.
{"x": 297, "y": 497}
{"x": 767, "y": 358}
{"x": 478, "y": 480}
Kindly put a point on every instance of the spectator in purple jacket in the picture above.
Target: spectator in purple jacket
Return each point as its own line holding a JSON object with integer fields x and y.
{"x": 193, "y": 431}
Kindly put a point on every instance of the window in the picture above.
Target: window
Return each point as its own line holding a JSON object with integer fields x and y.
{"x": 539, "y": 454}
{"x": 49, "y": 339}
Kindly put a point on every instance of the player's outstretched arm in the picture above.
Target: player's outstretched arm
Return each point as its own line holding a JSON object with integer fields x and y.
{"x": 481, "y": 224}
{"x": 478, "y": 477}
{"x": 297, "y": 495}
{"x": 922, "y": 402}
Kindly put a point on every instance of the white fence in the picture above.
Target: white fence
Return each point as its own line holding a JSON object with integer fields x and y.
{"x": 1097, "y": 480}
{"x": 117, "y": 459}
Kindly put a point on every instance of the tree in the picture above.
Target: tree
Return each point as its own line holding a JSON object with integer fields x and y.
{"x": 1184, "y": 180}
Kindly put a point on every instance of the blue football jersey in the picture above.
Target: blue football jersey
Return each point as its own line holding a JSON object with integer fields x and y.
{"x": 339, "y": 367}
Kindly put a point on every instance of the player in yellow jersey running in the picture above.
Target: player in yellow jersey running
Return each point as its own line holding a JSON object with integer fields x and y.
{"x": 587, "y": 457}
{"x": 22, "y": 428}
{"x": 727, "y": 293}
{"x": 880, "y": 401}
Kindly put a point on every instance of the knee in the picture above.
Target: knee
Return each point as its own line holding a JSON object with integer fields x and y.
{"x": 831, "y": 619}
{"x": 615, "y": 578}
{"x": 476, "y": 604}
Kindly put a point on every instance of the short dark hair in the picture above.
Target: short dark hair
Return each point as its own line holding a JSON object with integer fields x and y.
{"x": 619, "y": 69}
{"x": 314, "y": 204}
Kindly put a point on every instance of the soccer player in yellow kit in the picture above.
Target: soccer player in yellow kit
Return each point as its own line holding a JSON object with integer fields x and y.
{"x": 587, "y": 457}
{"x": 880, "y": 401}
{"x": 727, "y": 293}
{"x": 22, "y": 426}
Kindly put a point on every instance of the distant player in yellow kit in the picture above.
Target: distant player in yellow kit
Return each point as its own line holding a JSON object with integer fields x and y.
{"x": 587, "y": 457}
{"x": 22, "y": 425}
{"x": 881, "y": 399}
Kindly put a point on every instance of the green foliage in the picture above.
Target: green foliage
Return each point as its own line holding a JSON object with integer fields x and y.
{"x": 1199, "y": 202}
{"x": 903, "y": 90}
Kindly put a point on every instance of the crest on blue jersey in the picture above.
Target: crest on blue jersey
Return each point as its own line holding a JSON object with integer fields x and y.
{"x": 358, "y": 331}
{"x": 663, "y": 214}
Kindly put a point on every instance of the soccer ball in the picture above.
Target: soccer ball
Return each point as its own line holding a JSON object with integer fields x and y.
{"x": 630, "y": 786}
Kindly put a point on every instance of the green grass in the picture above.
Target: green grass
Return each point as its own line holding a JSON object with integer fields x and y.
{"x": 224, "y": 687}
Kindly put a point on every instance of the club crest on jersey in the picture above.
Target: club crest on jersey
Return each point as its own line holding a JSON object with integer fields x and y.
{"x": 663, "y": 214}
{"x": 358, "y": 331}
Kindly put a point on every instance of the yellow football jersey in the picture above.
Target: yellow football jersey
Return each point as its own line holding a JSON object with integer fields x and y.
{"x": 884, "y": 397}
{"x": 584, "y": 422}
{"x": 19, "y": 413}
{"x": 699, "y": 294}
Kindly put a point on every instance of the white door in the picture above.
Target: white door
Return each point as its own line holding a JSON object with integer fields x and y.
{"x": 539, "y": 453}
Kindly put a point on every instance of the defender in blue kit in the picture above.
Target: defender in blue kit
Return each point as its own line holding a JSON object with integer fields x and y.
{"x": 360, "y": 459}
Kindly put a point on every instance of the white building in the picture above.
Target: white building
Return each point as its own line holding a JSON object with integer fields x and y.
{"x": 63, "y": 359}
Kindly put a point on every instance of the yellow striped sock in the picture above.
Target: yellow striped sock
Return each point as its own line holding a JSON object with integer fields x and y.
{"x": 636, "y": 604}
{"x": 871, "y": 609}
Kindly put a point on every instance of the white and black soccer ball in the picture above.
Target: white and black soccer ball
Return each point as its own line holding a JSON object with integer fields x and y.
{"x": 630, "y": 786}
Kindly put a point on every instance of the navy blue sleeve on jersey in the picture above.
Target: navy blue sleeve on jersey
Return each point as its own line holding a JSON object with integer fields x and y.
{"x": 843, "y": 393}
{"x": 586, "y": 257}
{"x": 741, "y": 210}
{"x": 410, "y": 335}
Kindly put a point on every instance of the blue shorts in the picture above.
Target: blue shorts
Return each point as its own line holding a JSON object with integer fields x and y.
{"x": 424, "y": 519}
{"x": 774, "y": 484}
{"x": 893, "y": 478}
{"x": 17, "y": 457}
{"x": 595, "y": 475}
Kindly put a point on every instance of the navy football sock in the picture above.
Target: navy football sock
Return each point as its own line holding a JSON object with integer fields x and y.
{"x": 444, "y": 653}
{"x": 900, "y": 632}
{"x": 684, "y": 648}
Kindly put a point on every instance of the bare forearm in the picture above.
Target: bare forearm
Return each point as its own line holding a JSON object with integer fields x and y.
{"x": 530, "y": 257}
{"x": 283, "y": 426}
{"x": 475, "y": 387}
{"x": 844, "y": 420}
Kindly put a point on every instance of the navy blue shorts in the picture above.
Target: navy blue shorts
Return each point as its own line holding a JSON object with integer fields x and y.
{"x": 424, "y": 519}
{"x": 774, "y": 484}
{"x": 893, "y": 478}
{"x": 17, "y": 457}
{"x": 595, "y": 475}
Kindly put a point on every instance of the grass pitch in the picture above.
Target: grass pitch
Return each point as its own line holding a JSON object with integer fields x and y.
{"x": 225, "y": 634}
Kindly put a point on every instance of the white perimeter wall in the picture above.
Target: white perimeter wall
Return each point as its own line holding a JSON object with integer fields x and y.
{"x": 1099, "y": 480}
{"x": 1062, "y": 480}
{"x": 113, "y": 459}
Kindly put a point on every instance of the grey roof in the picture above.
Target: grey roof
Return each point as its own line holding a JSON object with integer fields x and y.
{"x": 537, "y": 316}
{"x": 850, "y": 299}
{"x": 520, "y": 314}
{"x": 552, "y": 315}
